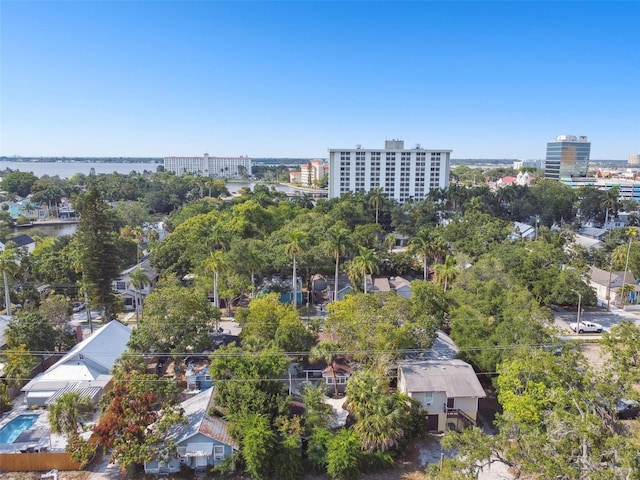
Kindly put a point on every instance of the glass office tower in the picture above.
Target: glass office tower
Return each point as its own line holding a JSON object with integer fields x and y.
{"x": 567, "y": 157}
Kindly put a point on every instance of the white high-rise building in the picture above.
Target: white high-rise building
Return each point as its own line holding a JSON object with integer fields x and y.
{"x": 401, "y": 174}
{"x": 222, "y": 167}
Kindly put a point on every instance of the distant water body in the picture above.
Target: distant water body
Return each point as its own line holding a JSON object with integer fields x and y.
{"x": 69, "y": 169}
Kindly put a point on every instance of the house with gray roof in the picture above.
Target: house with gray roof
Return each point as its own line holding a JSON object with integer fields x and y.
{"x": 202, "y": 442}
{"x": 448, "y": 389}
{"x": 85, "y": 368}
{"x": 608, "y": 284}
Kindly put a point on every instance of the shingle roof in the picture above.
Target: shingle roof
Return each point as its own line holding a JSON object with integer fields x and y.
{"x": 199, "y": 421}
{"x": 454, "y": 377}
{"x": 20, "y": 240}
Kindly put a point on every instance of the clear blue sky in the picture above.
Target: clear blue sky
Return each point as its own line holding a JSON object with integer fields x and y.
{"x": 292, "y": 79}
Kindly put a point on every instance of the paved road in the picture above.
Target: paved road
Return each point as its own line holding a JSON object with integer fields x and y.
{"x": 607, "y": 319}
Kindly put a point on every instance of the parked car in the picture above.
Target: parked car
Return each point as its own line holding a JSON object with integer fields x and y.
{"x": 627, "y": 409}
{"x": 586, "y": 327}
{"x": 78, "y": 306}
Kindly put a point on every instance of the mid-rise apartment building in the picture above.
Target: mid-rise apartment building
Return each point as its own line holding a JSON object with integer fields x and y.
{"x": 312, "y": 172}
{"x": 222, "y": 167}
{"x": 567, "y": 157}
{"x": 401, "y": 174}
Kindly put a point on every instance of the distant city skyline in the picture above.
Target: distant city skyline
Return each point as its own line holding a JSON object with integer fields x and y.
{"x": 494, "y": 80}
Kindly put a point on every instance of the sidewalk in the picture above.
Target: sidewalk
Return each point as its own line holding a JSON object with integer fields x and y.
{"x": 105, "y": 470}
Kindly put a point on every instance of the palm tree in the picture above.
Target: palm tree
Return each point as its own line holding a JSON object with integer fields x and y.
{"x": 379, "y": 415}
{"x": 68, "y": 411}
{"x": 9, "y": 265}
{"x": 376, "y": 200}
{"x": 446, "y": 272}
{"x": 429, "y": 246}
{"x": 389, "y": 241}
{"x": 328, "y": 352}
{"x": 366, "y": 262}
{"x": 295, "y": 246}
{"x": 139, "y": 279}
{"x": 632, "y": 233}
{"x": 253, "y": 261}
{"x": 337, "y": 244}
{"x": 215, "y": 263}
{"x": 610, "y": 202}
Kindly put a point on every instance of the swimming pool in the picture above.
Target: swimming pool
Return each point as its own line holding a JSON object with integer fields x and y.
{"x": 11, "y": 431}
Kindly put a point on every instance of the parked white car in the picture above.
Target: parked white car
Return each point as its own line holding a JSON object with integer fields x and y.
{"x": 586, "y": 327}
{"x": 78, "y": 306}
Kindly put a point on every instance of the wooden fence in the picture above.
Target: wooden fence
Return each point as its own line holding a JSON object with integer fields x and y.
{"x": 30, "y": 462}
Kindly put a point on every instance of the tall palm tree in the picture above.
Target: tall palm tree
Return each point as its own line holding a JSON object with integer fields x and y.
{"x": 68, "y": 411}
{"x": 366, "y": 262}
{"x": 446, "y": 272}
{"x": 376, "y": 200}
{"x": 429, "y": 246}
{"x": 327, "y": 351}
{"x": 139, "y": 279}
{"x": 9, "y": 265}
{"x": 215, "y": 263}
{"x": 337, "y": 244}
{"x": 297, "y": 239}
{"x": 632, "y": 233}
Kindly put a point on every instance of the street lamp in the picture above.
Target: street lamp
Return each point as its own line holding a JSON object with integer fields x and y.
{"x": 579, "y": 307}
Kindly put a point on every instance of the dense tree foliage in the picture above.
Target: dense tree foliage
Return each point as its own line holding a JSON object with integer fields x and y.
{"x": 96, "y": 249}
{"x": 176, "y": 321}
{"x": 471, "y": 276}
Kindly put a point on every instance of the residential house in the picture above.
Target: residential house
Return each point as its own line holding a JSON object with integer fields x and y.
{"x": 85, "y": 368}
{"x": 608, "y": 285}
{"x": 342, "y": 373}
{"x": 284, "y": 288}
{"x": 401, "y": 286}
{"x": 448, "y": 389}
{"x": 389, "y": 284}
{"x": 593, "y": 232}
{"x": 122, "y": 284}
{"x": 202, "y": 442}
{"x": 22, "y": 242}
{"x": 589, "y": 243}
{"x": 198, "y": 376}
{"x": 522, "y": 231}
{"x": 27, "y": 209}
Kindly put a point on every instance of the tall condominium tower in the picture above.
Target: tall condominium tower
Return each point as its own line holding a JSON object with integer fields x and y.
{"x": 401, "y": 174}
{"x": 222, "y": 167}
{"x": 567, "y": 156}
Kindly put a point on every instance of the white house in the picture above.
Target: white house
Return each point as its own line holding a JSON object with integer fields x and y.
{"x": 22, "y": 242}
{"x": 122, "y": 284}
{"x": 84, "y": 368}
{"x": 202, "y": 442}
{"x": 448, "y": 389}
